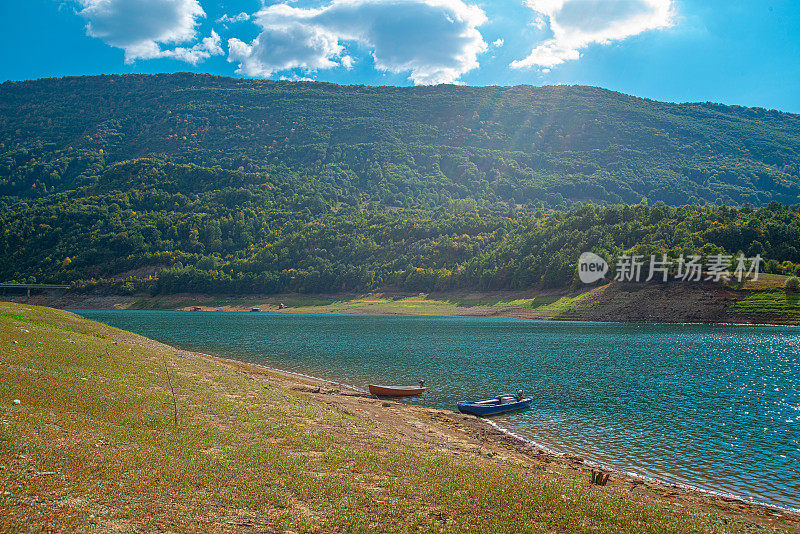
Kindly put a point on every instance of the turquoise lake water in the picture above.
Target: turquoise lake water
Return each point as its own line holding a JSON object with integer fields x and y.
{"x": 713, "y": 407}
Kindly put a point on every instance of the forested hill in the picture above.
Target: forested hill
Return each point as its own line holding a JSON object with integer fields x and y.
{"x": 180, "y": 182}
{"x": 421, "y": 147}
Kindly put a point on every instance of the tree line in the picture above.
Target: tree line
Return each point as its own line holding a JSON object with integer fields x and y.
{"x": 254, "y": 235}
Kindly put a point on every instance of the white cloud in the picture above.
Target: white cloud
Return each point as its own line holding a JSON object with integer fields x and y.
{"x": 296, "y": 78}
{"x": 436, "y": 41}
{"x": 210, "y": 46}
{"x": 576, "y": 24}
{"x": 498, "y": 43}
{"x": 141, "y": 27}
{"x": 293, "y": 45}
{"x": 241, "y": 17}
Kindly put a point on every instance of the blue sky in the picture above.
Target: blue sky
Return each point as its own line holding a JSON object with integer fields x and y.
{"x": 744, "y": 52}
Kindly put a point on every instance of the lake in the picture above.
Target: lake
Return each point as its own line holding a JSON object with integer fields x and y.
{"x": 715, "y": 407}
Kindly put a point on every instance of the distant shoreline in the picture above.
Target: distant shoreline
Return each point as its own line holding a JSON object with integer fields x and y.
{"x": 763, "y": 302}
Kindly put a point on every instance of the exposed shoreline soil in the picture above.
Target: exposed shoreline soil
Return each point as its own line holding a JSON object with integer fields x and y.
{"x": 468, "y": 435}
{"x": 708, "y": 303}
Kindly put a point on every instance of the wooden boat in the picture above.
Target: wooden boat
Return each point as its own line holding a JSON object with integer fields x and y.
{"x": 499, "y": 404}
{"x": 396, "y": 391}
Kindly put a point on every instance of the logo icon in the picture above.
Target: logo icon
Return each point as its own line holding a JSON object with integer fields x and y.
{"x": 591, "y": 267}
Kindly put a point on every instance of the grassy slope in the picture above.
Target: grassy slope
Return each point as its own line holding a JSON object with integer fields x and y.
{"x": 92, "y": 447}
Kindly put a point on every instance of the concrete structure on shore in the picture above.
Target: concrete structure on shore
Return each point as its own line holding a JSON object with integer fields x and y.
{"x": 28, "y": 287}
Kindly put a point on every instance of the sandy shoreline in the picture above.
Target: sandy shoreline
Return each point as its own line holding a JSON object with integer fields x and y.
{"x": 484, "y": 438}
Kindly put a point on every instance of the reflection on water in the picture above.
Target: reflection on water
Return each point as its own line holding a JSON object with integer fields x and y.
{"x": 716, "y": 407}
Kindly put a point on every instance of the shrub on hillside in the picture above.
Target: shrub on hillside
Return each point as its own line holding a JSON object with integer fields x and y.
{"x": 792, "y": 284}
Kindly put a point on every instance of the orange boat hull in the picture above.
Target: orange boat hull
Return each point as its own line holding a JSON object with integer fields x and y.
{"x": 396, "y": 391}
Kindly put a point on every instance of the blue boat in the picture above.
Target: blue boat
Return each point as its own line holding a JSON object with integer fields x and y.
{"x": 496, "y": 405}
